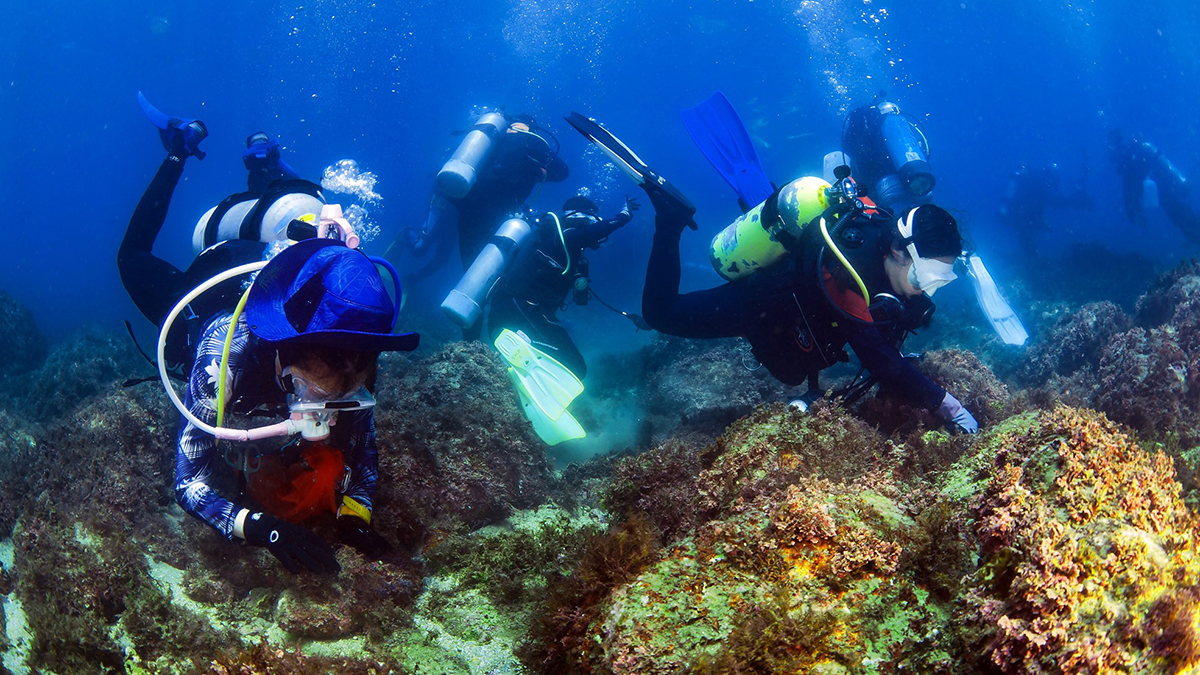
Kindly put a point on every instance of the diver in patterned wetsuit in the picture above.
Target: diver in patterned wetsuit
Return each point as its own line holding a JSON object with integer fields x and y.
{"x": 315, "y": 321}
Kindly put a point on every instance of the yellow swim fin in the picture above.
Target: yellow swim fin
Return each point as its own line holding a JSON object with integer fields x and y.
{"x": 548, "y": 384}
{"x": 551, "y": 431}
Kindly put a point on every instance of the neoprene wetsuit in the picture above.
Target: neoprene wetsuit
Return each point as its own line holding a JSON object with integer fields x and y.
{"x": 535, "y": 288}
{"x": 155, "y": 285}
{"x": 787, "y": 315}
{"x": 1139, "y": 160}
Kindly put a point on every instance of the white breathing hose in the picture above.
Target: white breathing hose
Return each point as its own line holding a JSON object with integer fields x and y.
{"x": 285, "y": 428}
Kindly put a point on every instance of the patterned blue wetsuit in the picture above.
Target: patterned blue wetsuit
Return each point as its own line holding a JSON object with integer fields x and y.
{"x": 198, "y": 455}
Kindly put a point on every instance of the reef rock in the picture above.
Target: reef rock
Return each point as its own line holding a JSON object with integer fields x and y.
{"x": 1088, "y": 556}
{"x": 24, "y": 345}
{"x": 455, "y": 449}
{"x": 1054, "y": 545}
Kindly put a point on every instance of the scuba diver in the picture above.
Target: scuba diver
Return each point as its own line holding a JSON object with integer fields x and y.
{"x": 813, "y": 267}
{"x": 545, "y": 270}
{"x": 491, "y": 174}
{"x": 523, "y": 277}
{"x": 1150, "y": 179}
{"x": 888, "y": 155}
{"x": 1028, "y": 194}
{"x": 300, "y": 343}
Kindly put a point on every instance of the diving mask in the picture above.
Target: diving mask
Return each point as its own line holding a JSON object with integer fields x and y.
{"x": 926, "y": 274}
{"x": 307, "y": 397}
{"x": 310, "y": 403}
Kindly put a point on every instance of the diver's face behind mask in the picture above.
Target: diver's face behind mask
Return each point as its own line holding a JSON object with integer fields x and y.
{"x": 308, "y": 400}
{"x": 929, "y": 274}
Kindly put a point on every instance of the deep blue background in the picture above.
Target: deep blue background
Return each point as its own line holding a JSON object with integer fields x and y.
{"x": 996, "y": 84}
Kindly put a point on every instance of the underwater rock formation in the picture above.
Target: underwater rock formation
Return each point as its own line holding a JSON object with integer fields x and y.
{"x": 1088, "y": 556}
{"x": 89, "y": 363}
{"x": 455, "y": 449}
{"x": 1055, "y": 545}
{"x": 25, "y": 347}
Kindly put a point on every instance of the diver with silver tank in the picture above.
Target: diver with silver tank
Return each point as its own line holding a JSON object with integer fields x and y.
{"x": 489, "y": 178}
{"x": 523, "y": 277}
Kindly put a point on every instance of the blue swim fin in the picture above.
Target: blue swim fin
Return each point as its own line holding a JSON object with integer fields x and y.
{"x": 178, "y": 135}
{"x": 716, "y": 128}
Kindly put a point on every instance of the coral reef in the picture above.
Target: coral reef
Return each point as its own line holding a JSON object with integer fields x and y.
{"x": 25, "y": 347}
{"x": 87, "y": 364}
{"x": 1089, "y": 556}
{"x": 454, "y": 447}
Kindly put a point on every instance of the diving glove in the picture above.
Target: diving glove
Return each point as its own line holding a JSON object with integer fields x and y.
{"x": 295, "y": 546}
{"x": 356, "y": 533}
{"x": 958, "y": 418}
{"x": 626, "y": 213}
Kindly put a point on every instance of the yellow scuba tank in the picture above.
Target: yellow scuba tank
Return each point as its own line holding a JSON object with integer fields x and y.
{"x": 749, "y": 244}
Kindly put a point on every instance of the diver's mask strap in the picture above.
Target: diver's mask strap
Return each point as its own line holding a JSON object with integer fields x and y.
{"x": 926, "y": 274}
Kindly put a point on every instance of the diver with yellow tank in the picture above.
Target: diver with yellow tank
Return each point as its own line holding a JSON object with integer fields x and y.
{"x": 810, "y": 267}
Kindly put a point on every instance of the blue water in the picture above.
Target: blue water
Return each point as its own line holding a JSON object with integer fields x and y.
{"x": 996, "y": 84}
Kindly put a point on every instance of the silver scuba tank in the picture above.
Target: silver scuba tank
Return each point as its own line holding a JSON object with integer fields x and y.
{"x": 237, "y": 221}
{"x": 465, "y": 303}
{"x": 458, "y": 174}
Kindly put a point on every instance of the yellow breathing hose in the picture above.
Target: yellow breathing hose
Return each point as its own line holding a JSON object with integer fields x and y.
{"x": 237, "y": 313}
{"x": 846, "y": 263}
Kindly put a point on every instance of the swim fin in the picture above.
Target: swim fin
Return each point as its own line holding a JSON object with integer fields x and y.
{"x": 178, "y": 135}
{"x": 550, "y": 385}
{"x": 626, "y": 160}
{"x": 1002, "y": 317}
{"x": 552, "y": 432}
{"x": 716, "y": 128}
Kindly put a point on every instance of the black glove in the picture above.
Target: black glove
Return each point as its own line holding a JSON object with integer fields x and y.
{"x": 295, "y": 546}
{"x": 355, "y": 532}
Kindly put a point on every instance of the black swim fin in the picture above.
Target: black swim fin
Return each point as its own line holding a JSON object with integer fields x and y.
{"x": 178, "y": 135}
{"x": 628, "y": 161}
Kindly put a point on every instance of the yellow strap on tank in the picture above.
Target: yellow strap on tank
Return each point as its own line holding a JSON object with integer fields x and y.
{"x": 237, "y": 313}
{"x": 846, "y": 263}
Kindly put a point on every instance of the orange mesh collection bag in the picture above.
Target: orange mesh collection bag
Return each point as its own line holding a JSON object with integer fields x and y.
{"x": 302, "y": 490}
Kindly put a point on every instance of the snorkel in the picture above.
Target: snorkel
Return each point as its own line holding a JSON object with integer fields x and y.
{"x": 310, "y": 416}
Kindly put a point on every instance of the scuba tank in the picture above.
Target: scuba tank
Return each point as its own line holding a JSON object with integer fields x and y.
{"x": 458, "y": 174}
{"x": 907, "y": 148}
{"x": 766, "y": 233}
{"x": 262, "y": 218}
{"x": 465, "y": 303}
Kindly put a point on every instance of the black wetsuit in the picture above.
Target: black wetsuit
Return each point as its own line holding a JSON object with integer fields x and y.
{"x": 535, "y": 287}
{"x": 521, "y": 161}
{"x": 1138, "y": 160}
{"x": 155, "y": 285}
{"x": 795, "y": 316}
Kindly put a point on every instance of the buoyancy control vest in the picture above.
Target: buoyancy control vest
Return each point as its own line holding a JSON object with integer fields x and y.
{"x": 799, "y": 328}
